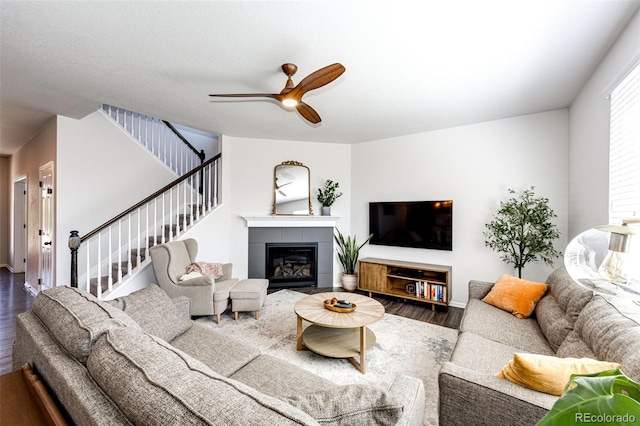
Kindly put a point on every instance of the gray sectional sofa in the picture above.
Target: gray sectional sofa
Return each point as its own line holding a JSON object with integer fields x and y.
{"x": 568, "y": 322}
{"x": 141, "y": 360}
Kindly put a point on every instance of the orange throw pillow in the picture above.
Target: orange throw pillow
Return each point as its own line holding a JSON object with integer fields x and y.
{"x": 515, "y": 295}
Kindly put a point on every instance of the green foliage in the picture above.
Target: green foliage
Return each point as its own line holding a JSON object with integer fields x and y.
{"x": 328, "y": 195}
{"x": 605, "y": 398}
{"x": 349, "y": 251}
{"x": 522, "y": 231}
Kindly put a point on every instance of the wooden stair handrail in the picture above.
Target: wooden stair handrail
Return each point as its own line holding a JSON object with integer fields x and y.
{"x": 150, "y": 197}
{"x": 200, "y": 154}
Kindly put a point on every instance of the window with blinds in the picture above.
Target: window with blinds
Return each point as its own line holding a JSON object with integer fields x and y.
{"x": 624, "y": 149}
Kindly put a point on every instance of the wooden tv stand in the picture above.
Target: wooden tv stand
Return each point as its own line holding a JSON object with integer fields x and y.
{"x": 409, "y": 280}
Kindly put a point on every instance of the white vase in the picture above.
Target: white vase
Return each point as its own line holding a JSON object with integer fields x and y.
{"x": 349, "y": 282}
{"x": 326, "y": 210}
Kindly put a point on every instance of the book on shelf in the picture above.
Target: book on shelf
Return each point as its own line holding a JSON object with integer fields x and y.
{"x": 431, "y": 291}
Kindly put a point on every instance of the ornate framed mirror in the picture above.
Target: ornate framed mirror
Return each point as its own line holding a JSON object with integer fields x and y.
{"x": 291, "y": 189}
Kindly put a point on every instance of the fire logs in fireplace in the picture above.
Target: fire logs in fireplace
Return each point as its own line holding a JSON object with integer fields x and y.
{"x": 292, "y": 265}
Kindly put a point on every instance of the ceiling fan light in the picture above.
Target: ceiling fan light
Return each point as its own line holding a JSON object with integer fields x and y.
{"x": 290, "y": 103}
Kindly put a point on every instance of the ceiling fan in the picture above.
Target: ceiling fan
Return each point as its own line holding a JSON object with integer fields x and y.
{"x": 291, "y": 96}
{"x": 279, "y": 187}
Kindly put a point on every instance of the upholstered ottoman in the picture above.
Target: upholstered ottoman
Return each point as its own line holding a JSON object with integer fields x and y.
{"x": 248, "y": 296}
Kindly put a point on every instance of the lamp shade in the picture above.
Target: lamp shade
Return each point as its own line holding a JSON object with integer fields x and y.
{"x": 605, "y": 260}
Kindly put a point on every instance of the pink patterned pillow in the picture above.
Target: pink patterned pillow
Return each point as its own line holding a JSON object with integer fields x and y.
{"x": 205, "y": 268}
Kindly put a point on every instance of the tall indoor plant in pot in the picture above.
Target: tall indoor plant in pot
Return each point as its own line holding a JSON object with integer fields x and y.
{"x": 522, "y": 230}
{"x": 328, "y": 195}
{"x": 348, "y": 253}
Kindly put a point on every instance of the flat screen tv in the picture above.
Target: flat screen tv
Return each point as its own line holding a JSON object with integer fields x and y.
{"x": 418, "y": 224}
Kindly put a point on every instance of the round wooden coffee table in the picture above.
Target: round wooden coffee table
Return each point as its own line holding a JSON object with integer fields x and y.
{"x": 335, "y": 334}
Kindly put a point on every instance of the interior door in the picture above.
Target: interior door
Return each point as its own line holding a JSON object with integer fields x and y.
{"x": 20, "y": 225}
{"x": 46, "y": 226}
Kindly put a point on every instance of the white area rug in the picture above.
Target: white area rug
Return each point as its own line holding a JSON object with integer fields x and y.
{"x": 402, "y": 345}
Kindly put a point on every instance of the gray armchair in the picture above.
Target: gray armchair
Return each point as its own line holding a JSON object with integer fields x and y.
{"x": 208, "y": 296}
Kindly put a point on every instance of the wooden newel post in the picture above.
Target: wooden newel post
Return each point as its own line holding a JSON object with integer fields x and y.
{"x": 201, "y": 156}
{"x": 74, "y": 244}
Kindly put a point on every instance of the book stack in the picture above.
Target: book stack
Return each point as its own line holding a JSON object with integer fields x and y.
{"x": 431, "y": 291}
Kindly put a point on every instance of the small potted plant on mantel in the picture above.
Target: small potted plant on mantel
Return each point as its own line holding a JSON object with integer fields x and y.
{"x": 328, "y": 196}
{"x": 348, "y": 253}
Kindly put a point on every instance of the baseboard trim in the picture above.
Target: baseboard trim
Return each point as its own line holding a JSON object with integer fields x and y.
{"x": 30, "y": 289}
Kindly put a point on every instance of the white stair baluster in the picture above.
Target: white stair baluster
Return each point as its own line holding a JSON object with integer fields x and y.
{"x": 196, "y": 179}
{"x": 184, "y": 204}
{"x": 147, "y": 244}
{"x": 110, "y": 262}
{"x": 119, "y": 250}
{"x": 128, "y": 246}
{"x": 138, "y": 254}
{"x": 214, "y": 177}
{"x": 164, "y": 142}
{"x": 88, "y": 273}
{"x": 191, "y": 206}
{"x": 155, "y": 221}
{"x": 164, "y": 233}
{"x": 205, "y": 189}
{"x": 99, "y": 275}
{"x": 171, "y": 215}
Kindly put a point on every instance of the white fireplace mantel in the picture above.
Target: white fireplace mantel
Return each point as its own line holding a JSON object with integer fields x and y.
{"x": 270, "y": 221}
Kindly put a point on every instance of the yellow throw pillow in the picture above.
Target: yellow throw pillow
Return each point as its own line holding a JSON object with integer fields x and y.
{"x": 515, "y": 295}
{"x": 549, "y": 374}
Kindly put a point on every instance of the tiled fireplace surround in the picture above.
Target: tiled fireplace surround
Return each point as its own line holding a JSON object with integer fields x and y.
{"x": 305, "y": 229}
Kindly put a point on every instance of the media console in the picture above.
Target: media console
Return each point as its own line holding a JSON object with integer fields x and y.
{"x": 410, "y": 280}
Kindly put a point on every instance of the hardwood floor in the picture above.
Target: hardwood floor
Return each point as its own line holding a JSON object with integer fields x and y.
{"x": 15, "y": 299}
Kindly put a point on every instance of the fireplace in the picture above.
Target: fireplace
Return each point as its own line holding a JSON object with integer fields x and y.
{"x": 319, "y": 236}
{"x": 291, "y": 265}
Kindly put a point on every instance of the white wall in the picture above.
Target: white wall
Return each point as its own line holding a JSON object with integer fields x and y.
{"x": 474, "y": 166}
{"x": 251, "y": 163}
{"x": 101, "y": 172}
{"x": 214, "y": 231}
{"x": 589, "y": 136}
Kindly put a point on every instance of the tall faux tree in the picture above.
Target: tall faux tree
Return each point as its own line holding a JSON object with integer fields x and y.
{"x": 522, "y": 230}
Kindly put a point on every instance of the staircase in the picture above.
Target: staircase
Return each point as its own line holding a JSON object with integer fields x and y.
{"x": 105, "y": 258}
{"x": 120, "y": 271}
{"x": 159, "y": 137}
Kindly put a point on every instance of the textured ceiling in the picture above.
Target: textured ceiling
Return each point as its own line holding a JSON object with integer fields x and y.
{"x": 411, "y": 66}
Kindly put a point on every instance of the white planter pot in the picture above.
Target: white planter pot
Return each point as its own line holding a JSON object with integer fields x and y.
{"x": 349, "y": 282}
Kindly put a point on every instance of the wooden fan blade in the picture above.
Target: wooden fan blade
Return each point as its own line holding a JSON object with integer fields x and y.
{"x": 317, "y": 79}
{"x": 248, "y": 95}
{"x": 308, "y": 113}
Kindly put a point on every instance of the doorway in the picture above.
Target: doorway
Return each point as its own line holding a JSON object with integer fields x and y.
{"x": 47, "y": 227}
{"x": 19, "y": 263}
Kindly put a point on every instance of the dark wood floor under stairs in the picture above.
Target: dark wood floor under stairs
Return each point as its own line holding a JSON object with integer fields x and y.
{"x": 15, "y": 299}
